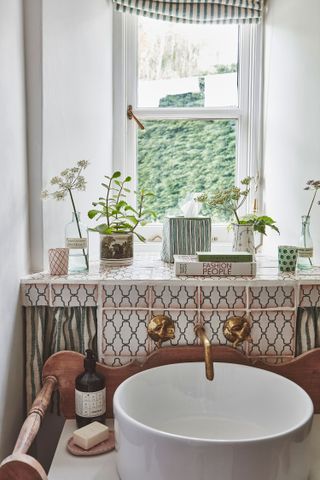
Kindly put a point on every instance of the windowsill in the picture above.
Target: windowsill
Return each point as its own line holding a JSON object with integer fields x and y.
{"x": 155, "y": 247}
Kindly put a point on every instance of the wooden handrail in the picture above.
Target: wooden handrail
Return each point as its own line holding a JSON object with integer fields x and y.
{"x": 19, "y": 465}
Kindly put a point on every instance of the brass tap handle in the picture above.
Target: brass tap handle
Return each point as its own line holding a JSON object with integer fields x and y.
{"x": 236, "y": 330}
{"x": 161, "y": 329}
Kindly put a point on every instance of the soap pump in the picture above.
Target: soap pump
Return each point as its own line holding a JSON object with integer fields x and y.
{"x": 90, "y": 393}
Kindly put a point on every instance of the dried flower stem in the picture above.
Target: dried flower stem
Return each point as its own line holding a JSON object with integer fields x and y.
{"x": 78, "y": 226}
{"x": 312, "y": 202}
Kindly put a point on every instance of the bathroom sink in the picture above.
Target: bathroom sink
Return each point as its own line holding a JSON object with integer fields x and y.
{"x": 248, "y": 424}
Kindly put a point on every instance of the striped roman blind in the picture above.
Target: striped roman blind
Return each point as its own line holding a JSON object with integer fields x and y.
{"x": 195, "y": 11}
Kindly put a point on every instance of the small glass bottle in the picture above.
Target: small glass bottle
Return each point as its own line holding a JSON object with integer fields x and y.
{"x": 305, "y": 248}
{"x": 76, "y": 239}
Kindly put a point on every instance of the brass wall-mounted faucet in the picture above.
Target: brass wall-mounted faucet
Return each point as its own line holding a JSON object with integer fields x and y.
{"x": 201, "y": 334}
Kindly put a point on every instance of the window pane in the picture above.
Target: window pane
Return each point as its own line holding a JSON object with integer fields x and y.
{"x": 186, "y": 65}
{"x": 178, "y": 157}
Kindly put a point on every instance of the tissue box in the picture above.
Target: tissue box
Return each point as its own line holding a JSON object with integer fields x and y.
{"x": 185, "y": 236}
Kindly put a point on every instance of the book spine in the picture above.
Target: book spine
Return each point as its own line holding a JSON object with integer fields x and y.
{"x": 215, "y": 269}
{"x": 225, "y": 258}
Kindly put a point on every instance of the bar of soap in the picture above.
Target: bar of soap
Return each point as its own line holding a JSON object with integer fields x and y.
{"x": 90, "y": 435}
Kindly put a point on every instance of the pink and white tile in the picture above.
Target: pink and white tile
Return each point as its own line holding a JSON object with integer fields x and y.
{"x": 124, "y": 332}
{"x": 173, "y": 296}
{"x": 74, "y": 295}
{"x": 271, "y": 297}
{"x": 272, "y": 333}
{"x": 125, "y": 296}
{"x": 229, "y": 297}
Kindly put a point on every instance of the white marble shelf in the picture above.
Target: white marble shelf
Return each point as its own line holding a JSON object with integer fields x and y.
{"x": 151, "y": 270}
{"x": 103, "y": 467}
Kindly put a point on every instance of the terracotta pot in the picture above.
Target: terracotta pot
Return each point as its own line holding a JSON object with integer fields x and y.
{"x": 116, "y": 249}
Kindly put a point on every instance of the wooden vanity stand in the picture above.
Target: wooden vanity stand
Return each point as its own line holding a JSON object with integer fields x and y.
{"x": 61, "y": 369}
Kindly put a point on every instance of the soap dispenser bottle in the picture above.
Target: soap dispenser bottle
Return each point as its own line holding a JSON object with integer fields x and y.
{"x": 90, "y": 393}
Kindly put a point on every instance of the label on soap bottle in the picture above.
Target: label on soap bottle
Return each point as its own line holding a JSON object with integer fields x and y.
{"x": 90, "y": 404}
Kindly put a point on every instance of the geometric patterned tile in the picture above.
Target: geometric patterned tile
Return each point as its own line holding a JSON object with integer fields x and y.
{"x": 272, "y": 333}
{"x": 270, "y": 297}
{"x": 222, "y": 297}
{"x": 124, "y": 332}
{"x": 134, "y": 296}
{"x": 310, "y": 296}
{"x": 173, "y": 297}
{"x": 74, "y": 295}
{"x": 35, "y": 295}
{"x": 184, "y": 322}
{"x": 213, "y": 323}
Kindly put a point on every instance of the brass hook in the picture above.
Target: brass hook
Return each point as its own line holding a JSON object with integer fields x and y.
{"x": 131, "y": 116}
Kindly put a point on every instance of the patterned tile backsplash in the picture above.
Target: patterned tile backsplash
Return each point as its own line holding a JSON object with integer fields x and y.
{"x": 128, "y": 297}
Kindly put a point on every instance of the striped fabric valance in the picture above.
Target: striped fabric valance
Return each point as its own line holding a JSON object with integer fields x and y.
{"x": 195, "y": 11}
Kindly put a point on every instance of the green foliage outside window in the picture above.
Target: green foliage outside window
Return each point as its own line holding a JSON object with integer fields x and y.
{"x": 176, "y": 157}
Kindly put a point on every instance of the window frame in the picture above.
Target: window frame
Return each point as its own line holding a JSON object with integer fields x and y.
{"x": 248, "y": 113}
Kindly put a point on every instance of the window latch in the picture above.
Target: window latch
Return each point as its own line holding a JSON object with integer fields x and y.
{"x": 132, "y": 116}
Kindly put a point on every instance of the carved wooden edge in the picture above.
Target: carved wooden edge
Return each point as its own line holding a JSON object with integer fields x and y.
{"x": 19, "y": 465}
{"x": 65, "y": 366}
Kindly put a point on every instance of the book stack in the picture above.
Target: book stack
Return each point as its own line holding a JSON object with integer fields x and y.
{"x": 215, "y": 264}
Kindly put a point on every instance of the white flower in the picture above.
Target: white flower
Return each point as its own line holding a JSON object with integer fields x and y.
{"x": 44, "y": 194}
{"x": 59, "y": 195}
{"x": 83, "y": 163}
{"x": 55, "y": 180}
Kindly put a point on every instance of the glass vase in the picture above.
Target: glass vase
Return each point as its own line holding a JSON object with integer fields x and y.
{"x": 305, "y": 248}
{"x": 76, "y": 239}
{"x": 243, "y": 238}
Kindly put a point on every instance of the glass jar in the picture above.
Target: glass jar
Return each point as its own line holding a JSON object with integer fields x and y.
{"x": 305, "y": 247}
{"x": 76, "y": 239}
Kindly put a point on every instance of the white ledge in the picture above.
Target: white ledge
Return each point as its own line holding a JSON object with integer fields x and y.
{"x": 149, "y": 269}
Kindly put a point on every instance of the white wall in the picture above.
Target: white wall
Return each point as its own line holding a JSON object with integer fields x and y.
{"x": 77, "y": 102}
{"x": 13, "y": 219}
{"x": 292, "y": 116}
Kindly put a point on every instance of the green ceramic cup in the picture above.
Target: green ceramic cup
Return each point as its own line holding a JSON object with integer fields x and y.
{"x": 287, "y": 258}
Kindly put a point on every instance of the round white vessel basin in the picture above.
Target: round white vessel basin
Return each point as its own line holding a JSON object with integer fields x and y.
{"x": 248, "y": 424}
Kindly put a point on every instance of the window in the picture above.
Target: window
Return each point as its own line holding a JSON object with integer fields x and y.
{"x": 196, "y": 89}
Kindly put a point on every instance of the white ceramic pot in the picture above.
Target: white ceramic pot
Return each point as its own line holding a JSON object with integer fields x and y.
{"x": 171, "y": 423}
{"x": 243, "y": 238}
{"x": 117, "y": 249}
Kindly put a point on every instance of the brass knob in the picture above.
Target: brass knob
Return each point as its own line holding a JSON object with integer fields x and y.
{"x": 236, "y": 330}
{"x": 161, "y": 329}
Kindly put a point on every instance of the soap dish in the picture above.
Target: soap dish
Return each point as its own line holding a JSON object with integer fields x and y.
{"x": 103, "y": 447}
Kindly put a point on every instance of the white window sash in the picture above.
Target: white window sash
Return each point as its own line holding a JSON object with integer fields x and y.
{"x": 248, "y": 112}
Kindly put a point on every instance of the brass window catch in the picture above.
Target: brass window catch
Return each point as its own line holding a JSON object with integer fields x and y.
{"x": 131, "y": 116}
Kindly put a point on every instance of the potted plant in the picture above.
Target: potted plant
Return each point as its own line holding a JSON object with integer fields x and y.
{"x": 244, "y": 227}
{"x": 120, "y": 220}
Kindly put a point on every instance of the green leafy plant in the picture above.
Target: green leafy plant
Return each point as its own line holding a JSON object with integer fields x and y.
{"x": 260, "y": 223}
{"x": 120, "y": 216}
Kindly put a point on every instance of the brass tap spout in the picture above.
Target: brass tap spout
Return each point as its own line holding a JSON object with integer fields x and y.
{"x": 200, "y": 332}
